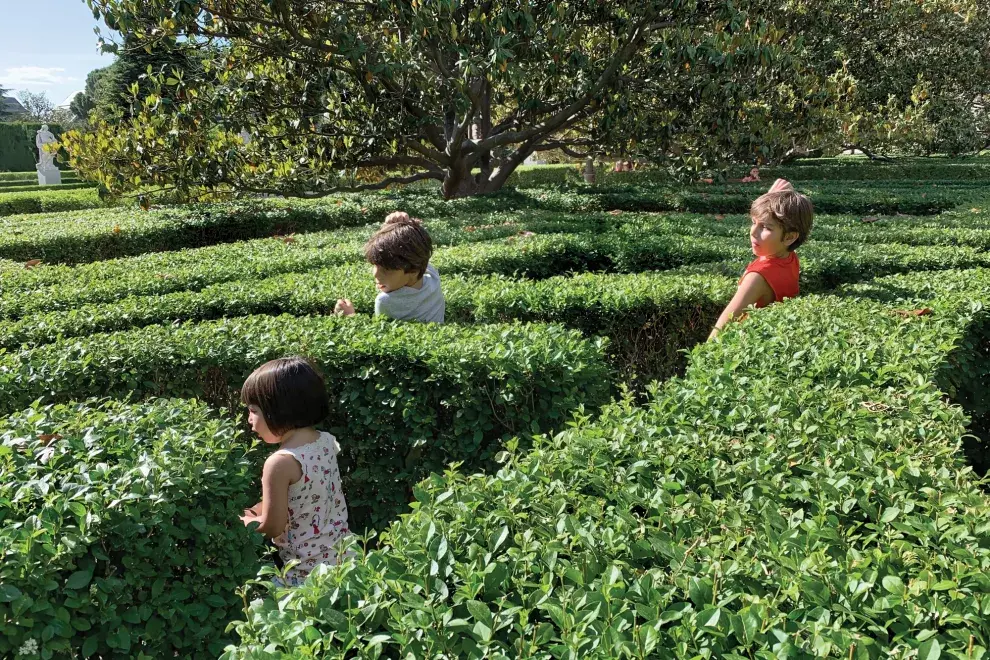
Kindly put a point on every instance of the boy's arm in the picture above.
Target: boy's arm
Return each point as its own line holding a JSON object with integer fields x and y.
{"x": 279, "y": 472}
{"x": 751, "y": 289}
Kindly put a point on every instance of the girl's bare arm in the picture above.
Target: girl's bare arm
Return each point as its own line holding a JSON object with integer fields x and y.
{"x": 751, "y": 290}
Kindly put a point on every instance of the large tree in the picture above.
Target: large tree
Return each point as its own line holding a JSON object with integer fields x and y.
{"x": 38, "y": 107}
{"x": 458, "y": 91}
{"x": 112, "y": 90}
{"x": 918, "y": 73}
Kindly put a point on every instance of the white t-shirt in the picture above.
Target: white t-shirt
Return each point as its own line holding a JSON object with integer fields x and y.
{"x": 425, "y": 304}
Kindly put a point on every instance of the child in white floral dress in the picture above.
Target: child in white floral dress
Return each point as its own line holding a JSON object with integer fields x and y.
{"x": 302, "y": 506}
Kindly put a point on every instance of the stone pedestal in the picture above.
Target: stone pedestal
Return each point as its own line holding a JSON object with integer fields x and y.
{"x": 49, "y": 177}
{"x": 589, "y": 171}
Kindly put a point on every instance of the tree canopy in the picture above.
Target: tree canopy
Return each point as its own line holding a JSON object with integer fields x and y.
{"x": 352, "y": 95}
{"x": 112, "y": 90}
{"x": 460, "y": 92}
{"x": 918, "y": 73}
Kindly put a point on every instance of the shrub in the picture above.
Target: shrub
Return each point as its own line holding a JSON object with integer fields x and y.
{"x": 965, "y": 373}
{"x": 797, "y": 493}
{"x": 406, "y": 398}
{"x": 48, "y": 201}
{"x": 119, "y": 529}
{"x": 649, "y": 318}
{"x": 91, "y": 236}
{"x": 87, "y": 237}
{"x": 17, "y": 150}
{"x": 34, "y": 187}
{"x": 903, "y": 169}
{"x": 61, "y": 287}
{"x": 31, "y": 179}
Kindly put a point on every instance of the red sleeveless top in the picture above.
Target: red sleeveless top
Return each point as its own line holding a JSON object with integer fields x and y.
{"x": 781, "y": 273}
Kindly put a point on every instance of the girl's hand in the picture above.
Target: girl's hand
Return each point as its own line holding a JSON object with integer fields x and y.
{"x": 344, "y": 307}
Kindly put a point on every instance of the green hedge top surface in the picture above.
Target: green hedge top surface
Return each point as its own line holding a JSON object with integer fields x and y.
{"x": 597, "y": 243}
{"x": 48, "y": 201}
{"x": 61, "y": 287}
{"x": 96, "y": 235}
{"x": 119, "y": 530}
{"x": 798, "y": 493}
{"x": 406, "y": 398}
{"x": 34, "y": 187}
{"x": 649, "y": 317}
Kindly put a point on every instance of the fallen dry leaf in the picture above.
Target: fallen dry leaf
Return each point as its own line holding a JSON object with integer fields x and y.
{"x": 908, "y": 313}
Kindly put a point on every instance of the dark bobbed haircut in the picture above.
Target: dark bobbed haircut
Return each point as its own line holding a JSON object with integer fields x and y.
{"x": 402, "y": 243}
{"x": 290, "y": 393}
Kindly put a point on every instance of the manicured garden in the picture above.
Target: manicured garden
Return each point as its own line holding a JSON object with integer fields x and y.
{"x": 565, "y": 469}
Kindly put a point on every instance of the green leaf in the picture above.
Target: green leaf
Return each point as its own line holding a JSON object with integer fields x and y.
{"x": 9, "y": 593}
{"x": 79, "y": 579}
{"x": 480, "y": 612}
{"x": 889, "y": 514}
{"x": 700, "y": 591}
{"x": 90, "y": 645}
{"x": 893, "y": 584}
{"x": 930, "y": 650}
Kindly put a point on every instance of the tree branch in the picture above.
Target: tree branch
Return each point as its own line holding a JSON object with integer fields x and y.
{"x": 384, "y": 183}
{"x": 637, "y": 33}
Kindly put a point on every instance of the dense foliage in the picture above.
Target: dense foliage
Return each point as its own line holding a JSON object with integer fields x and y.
{"x": 116, "y": 533}
{"x": 17, "y": 150}
{"x": 804, "y": 486}
{"x": 455, "y": 92}
{"x": 814, "y": 508}
{"x": 406, "y": 398}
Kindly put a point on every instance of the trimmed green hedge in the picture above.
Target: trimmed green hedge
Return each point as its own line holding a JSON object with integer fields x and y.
{"x": 61, "y": 287}
{"x": 622, "y": 249}
{"x": 96, "y": 235}
{"x": 902, "y": 169}
{"x": 107, "y": 234}
{"x": 969, "y": 230}
{"x": 31, "y": 180}
{"x": 32, "y": 175}
{"x": 798, "y": 493}
{"x": 17, "y": 149}
{"x": 965, "y": 374}
{"x": 649, "y": 318}
{"x": 119, "y": 530}
{"x": 33, "y": 187}
{"x": 406, "y": 398}
{"x": 48, "y": 201}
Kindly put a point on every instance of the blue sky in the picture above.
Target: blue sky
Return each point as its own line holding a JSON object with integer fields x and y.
{"x": 48, "y": 46}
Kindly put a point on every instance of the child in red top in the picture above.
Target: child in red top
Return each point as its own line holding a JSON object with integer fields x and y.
{"x": 782, "y": 220}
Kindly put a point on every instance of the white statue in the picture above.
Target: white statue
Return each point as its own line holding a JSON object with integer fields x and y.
{"x": 46, "y": 159}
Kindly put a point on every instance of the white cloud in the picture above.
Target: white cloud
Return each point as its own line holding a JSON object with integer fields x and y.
{"x": 34, "y": 76}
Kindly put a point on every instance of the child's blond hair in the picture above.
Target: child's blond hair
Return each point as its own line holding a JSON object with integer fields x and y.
{"x": 792, "y": 210}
